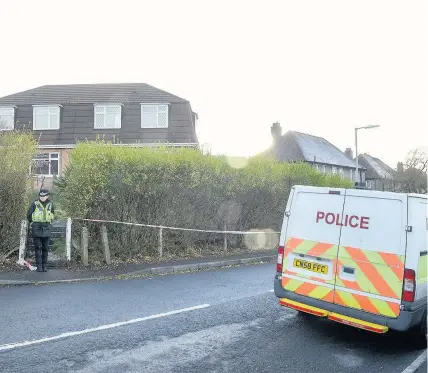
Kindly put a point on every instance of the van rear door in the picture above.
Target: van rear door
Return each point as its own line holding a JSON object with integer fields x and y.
{"x": 371, "y": 256}
{"x": 311, "y": 241}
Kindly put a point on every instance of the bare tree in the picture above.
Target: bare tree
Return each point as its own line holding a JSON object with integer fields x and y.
{"x": 413, "y": 177}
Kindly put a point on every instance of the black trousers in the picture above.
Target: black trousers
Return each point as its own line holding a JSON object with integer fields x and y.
{"x": 41, "y": 243}
{"x": 41, "y": 247}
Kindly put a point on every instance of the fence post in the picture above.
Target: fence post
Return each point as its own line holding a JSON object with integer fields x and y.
{"x": 22, "y": 241}
{"x": 68, "y": 239}
{"x": 225, "y": 238}
{"x": 160, "y": 248}
{"x": 104, "y": 238}
{"x": 85, "y": 240}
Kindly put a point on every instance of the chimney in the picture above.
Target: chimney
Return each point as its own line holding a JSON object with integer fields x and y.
{"x": 349, "y": 153}
{"x": 400, "y": 167}
{"x": 276, "y": 131}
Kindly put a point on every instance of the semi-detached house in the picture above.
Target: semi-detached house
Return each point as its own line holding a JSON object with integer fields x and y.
{"x": 130, "y": 114}
{"x": 296, "y": 146}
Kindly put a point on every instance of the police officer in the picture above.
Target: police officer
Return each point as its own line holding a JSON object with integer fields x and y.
{"x": 41, "y": 215}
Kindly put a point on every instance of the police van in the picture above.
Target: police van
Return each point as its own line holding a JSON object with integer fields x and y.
{"x": 354, "y": 256}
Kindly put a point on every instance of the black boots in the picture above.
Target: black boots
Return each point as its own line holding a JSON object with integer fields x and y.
{"x": 38, "y": 255}
{"x": 44, "y": 261}
{"x": 41, "y": 260}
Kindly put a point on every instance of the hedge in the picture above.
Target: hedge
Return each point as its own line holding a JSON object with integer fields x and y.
{"x": 17, "y": 149}
{"x": 177, "y": 187}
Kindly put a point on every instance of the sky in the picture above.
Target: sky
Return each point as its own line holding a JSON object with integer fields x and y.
{"x": 319, "y": 67}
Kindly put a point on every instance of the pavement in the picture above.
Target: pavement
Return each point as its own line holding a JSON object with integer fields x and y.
{"x": 227, "y": 320}
{"x": 27, "y": 277}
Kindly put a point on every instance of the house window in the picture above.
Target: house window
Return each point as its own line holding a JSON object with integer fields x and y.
{"x": 324, "y": 169}
{"x": 7, "y": 118}
{"x": 334, "y": 170}
{"x": 154, "y": 116}
{"x": 341, "y": 172}
{"x": 46, "y": 164}
{"x": 351, "y": 174}
{"x": 45, "y": 118}
{"x": 107, "y": 116}
{"x": 369, "y": 184}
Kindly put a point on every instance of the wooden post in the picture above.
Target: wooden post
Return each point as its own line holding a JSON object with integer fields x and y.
{"x": 106, "y": 248}
{"x": 68, "y": 239}
{"x": 160, "y": 248}
{"x": 225, "y": 238}
{"x": 22, "y": 241}
{"x": 84, "y": 245}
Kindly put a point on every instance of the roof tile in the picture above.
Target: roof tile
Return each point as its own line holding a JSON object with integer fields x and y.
{"x": 91, "y": 93}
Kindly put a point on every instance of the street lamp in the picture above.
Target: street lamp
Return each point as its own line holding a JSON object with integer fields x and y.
{"x": 356, "y": 146}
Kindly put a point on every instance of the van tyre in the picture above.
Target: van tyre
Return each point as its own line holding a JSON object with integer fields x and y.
{"x": 419, "y": 333}
{"x": 423, "y": 331}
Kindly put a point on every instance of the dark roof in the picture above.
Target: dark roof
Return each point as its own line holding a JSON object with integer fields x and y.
{"x": 91, "y": 93}
{"x": 297, "y": 146}
{"x": 376, "y": 169}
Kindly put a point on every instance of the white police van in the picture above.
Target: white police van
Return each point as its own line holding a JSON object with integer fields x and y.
{"x": 357, "y": 257}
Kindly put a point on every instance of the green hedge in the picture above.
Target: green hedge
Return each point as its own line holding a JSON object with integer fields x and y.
{"x": 17, "y": 150}
{"x": 177, "y": 187}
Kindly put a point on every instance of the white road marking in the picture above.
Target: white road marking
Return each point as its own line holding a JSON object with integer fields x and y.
{"x": 417, "y": 363}
{"x": 12, "y": 346}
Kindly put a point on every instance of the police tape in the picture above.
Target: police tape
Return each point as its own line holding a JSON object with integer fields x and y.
{"x": 177, "y": 228}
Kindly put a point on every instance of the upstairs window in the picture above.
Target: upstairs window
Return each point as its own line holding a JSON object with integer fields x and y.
{"x": 107, "y": 116}
{"x": 7, "y": 118}
{"x": 45, "y": 118}
{"x": 46, "y": 164}
{"x": 154, "y": 116}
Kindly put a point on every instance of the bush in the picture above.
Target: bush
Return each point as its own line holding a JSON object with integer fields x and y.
{"x": 177, "y": 187}
{"x": 17, "y": 149}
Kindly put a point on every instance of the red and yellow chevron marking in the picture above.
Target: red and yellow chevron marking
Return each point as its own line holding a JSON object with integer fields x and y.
{"x": 368, "y": 304}
{"x": 308, "y": 247}
{"x": 375, "y": 273}
{"x": 312, "y": 248}
{"x": 308, "y": 289}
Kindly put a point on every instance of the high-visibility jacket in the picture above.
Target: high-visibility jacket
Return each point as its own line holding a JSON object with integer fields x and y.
{"x": 42, "y": 214}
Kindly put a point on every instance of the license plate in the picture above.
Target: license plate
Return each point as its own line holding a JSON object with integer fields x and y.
{"x": 310, "y": 266}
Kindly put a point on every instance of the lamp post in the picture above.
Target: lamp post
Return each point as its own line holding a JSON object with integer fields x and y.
{"x": 356, "y": 146}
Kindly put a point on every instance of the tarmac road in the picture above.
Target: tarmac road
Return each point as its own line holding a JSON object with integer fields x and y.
{"x": 221, "y": 321}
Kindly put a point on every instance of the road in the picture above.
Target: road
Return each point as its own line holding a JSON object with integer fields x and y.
{"x": 221, "y": 321}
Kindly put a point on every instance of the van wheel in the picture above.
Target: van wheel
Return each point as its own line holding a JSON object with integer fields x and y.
{"x": 421, "y": 332}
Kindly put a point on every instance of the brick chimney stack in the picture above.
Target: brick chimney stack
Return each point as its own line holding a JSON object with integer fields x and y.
{"x": 400, "y": 167}
{"x": 276, "y": 131}
{"x": 349, "y": 153}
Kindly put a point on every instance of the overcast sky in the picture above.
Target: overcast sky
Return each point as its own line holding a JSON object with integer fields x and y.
{"x": 319, "y": 67}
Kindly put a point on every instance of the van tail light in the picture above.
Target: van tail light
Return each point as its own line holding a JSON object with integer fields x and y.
{"x": 409, "y": 286}
{"x": 280, "y": 259}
